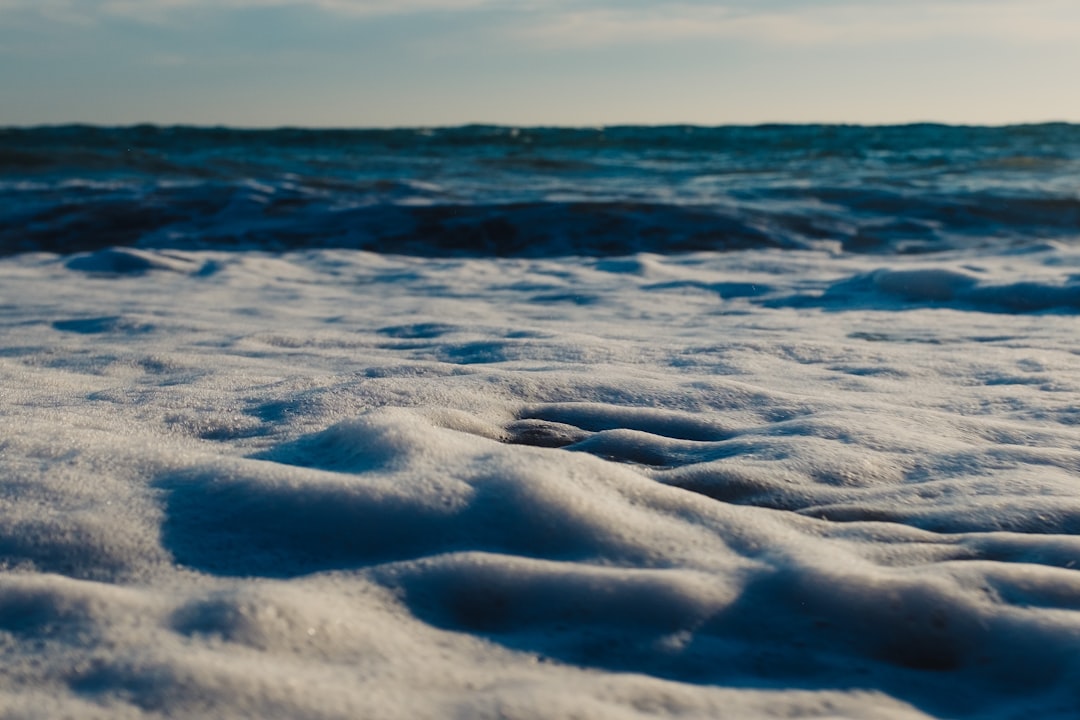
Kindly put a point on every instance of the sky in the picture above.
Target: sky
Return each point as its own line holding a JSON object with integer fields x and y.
{"x": 378, "y": 63}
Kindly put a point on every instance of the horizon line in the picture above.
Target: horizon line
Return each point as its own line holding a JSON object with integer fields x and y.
{"x": 520, "y": 126}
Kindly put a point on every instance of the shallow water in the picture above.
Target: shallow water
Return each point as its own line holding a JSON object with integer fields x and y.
{"x": 764, "y": 478}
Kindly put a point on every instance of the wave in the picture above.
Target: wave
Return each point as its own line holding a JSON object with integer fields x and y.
{"x": 484, "y": 190}
{"x": 246, "y": 219}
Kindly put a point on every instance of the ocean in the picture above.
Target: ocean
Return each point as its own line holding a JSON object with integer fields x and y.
{"x": 492, "y": 422}
{"x": 533, "y": 192}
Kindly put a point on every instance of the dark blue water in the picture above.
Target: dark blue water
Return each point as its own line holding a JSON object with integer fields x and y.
{"x": 497, "y": 191}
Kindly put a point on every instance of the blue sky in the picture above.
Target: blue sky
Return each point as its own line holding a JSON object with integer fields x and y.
{"x": 436, "y": 62}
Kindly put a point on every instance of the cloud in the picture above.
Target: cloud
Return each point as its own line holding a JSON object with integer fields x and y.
{"x": 157, "y": 11}
{"x": 804, "y": 24}
{"x": 597, "y": 23}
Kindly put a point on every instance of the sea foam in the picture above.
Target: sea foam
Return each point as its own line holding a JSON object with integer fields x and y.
{"x": 331, "y": 484}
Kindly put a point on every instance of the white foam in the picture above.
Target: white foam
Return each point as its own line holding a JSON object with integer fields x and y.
{"x": 338, "y": 484}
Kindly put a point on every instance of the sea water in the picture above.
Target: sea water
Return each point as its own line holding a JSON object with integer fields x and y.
{"x": 775, "y": 421}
